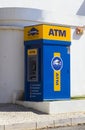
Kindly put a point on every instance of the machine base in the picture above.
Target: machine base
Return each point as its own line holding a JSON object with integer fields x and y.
{"x": 55, "y": 107}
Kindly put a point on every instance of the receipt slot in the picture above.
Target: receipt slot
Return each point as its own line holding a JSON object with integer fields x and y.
{"x": 47, "y": 62}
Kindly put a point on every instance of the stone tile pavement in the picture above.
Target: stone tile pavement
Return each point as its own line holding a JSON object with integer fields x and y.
{"x": 16, "y": 117}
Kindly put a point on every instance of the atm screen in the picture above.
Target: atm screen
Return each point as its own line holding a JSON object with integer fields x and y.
{"x": 32, "y": 68}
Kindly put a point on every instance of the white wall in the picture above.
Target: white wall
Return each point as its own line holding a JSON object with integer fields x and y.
{"x": 61, "y": 6}
{"x": 26, "y": 16}
{"x": 77, "y": 64}
{"x": 11, "y": 62}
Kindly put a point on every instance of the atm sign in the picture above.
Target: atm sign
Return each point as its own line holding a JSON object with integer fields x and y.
{"x": 32, "y": 52}
{"x": 49, "y": 32}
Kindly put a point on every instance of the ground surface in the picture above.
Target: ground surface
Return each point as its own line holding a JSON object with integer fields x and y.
{"x": 79, "y": 127}
{"x": 11, "y": 114}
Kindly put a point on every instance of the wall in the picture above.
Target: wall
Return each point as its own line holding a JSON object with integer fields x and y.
{"x": 77, "y": 64}
{"x": 11, "y": 62}
{"x": 64, "y": 11}
{"x": 60, "y": 6}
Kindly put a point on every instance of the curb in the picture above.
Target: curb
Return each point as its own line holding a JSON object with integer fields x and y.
{"x": 44, "y": 124}
{"x": 79, "y": 120}
{"x": 21, "y": 126}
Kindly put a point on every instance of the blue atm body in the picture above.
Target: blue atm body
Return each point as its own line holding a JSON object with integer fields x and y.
{"x": 50, "y": 82}
{"x": 47, "y": 62}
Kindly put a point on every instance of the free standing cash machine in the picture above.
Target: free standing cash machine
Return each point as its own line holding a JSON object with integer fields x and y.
{"x": 47, "y": 62}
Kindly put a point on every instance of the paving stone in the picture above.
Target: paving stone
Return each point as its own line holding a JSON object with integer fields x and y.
{"x": 63, "y": 122}
{"x": 79, "y": 120}
{"x": 45, "y": 124}
{"x": 16, "y": 117}
{"x": 22, "y": 126}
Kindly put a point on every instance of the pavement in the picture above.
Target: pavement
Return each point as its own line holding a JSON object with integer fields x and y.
{"x": 16, "y": 117}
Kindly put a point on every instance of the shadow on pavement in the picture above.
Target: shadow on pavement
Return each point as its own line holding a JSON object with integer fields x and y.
{"x": 17, "y": 108}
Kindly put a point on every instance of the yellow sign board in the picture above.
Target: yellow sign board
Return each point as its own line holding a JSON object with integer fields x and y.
{"x": 32, "y": 52}
{"x": 47, "y": 32}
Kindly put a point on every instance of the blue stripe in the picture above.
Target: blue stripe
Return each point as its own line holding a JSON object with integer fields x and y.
{"x": 51, "y": 42}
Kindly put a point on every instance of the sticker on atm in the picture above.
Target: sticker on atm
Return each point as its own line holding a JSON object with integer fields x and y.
{"x": 57, "y": 65}
{"x": 31, "y": 52}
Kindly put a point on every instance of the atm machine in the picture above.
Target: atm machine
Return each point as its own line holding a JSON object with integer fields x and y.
{"x": 47, "y": 62}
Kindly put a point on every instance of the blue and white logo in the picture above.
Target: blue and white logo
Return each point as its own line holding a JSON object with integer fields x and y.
{"x": 57, "y": 63}
{"x": 33, "y": 32}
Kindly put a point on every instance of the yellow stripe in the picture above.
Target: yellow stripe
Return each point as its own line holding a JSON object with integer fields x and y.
{"x": 57, "y": 77}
